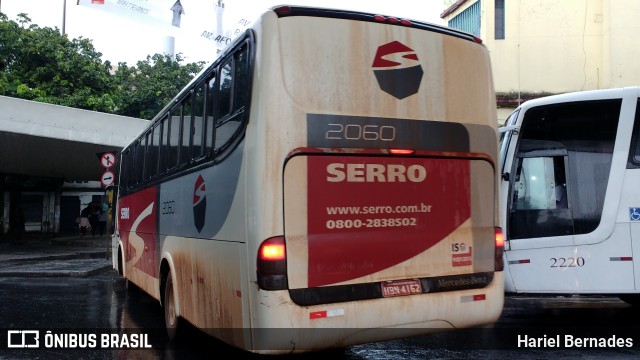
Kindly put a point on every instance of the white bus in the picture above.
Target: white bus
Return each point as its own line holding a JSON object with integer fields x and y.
{"x": 331, "y": 170}
{"x": 570, "y": 195}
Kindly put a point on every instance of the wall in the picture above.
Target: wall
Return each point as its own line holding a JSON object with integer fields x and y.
{"x": 558, "y": 46}
{"x": 550, "y": 46}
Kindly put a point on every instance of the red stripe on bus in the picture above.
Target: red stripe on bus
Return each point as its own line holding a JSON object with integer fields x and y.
{"x": 317, "y": 315}
{"x": 523, "y": 261}
{"x": 479, "y": 297}
{"x": 621, "y": 258}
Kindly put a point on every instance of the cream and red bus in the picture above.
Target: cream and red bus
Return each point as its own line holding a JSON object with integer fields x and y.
{"x": 330, "y": 179}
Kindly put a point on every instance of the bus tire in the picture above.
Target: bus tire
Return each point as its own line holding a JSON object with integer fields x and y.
{"x": 120, "y": 262}
{"x": 130, "y": 286}
{"x": 171, "y": 320}
{"x": 631, "y": 299}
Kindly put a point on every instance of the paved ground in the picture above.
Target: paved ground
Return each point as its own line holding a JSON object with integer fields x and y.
{"x": 43, "y": 256}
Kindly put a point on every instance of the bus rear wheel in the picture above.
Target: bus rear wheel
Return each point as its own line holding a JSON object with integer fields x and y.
{"x": 171, "y": 319}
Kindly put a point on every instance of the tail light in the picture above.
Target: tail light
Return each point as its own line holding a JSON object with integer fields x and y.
{"x": 392, "y": 20}
{"x": 272, "y": 264}
{"x": 401, "y": 151}
{"x": 283, "y": 10}
{"x": 499, "y": 262}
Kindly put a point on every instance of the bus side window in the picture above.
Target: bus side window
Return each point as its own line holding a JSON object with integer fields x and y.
{"x": 242, "y": 85}
{"x": 154, "y": 149}
{"x": 209, "y": 115}
{"x": 186, "y": 132}
{"x": 232, "y": 99}
{"x": 174, "y": 137}
{"x": 139, "y": 162}
{"x": 198, "y": 122}
{"x": 634, "y": 156}
{"x": 225, "y": 128}
{"x": 151, "y": 159}
{"x": 224, "y": 90}
{"x": 125, "y": 175}
{"x": 164, "y": 145}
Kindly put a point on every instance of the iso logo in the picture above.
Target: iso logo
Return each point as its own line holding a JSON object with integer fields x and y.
{"x": 23, "y": 338}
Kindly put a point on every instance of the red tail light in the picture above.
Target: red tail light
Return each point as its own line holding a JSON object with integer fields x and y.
{"x": 272, "y": 264}
{"x": 401, "y": 151}
{"x": 272, "y": 252}
{"x": 499, "y": 262}
{"x": 392, "y": 20}
{"x": 283, "y": 10}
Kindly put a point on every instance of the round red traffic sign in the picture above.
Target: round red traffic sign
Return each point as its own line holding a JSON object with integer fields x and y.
{"x": 107, "y": 160}
{"x": 107, "y": 178}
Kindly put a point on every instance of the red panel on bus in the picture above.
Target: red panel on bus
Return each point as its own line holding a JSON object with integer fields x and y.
{"x": 367, "y": 213}
{"x": 138, "y": 226}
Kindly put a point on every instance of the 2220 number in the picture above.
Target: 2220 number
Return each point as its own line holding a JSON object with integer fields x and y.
{"x": 567, "y": 262}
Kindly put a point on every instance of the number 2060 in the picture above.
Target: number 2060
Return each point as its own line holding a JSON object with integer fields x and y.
{"x": 360, "y": 132}
{"x": 567, "y": 262}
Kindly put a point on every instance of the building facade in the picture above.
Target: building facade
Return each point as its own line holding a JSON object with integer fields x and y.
{"x": 543, "y": 47}
{"x": 51, "y": 165}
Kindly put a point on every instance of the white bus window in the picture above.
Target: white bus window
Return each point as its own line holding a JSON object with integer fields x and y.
{"x": 232, "y": 98}
{"x": 634, "y": 158}
{"x": 241, "y": 79}
{"x": 151, "y": 162}
{"x": 198, "y": 122}
{"x": 540, "y": 184}
{"x": 157, "y": 130}
{"x": 174, "y": 137}
{"x": 187, "y": 131}
{"x": 224, "y": 93}
{"x": 164, "y": 145}
{"x": 505, "y": 137}
{"x": 209, "y": 115}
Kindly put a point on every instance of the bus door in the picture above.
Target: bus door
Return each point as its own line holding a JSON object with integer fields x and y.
{"x": 539, "y": 211}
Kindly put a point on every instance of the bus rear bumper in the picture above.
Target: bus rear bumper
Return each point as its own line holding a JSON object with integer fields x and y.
{"x": 294, "y": 328}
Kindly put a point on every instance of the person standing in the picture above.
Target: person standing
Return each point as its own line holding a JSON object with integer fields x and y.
{"x": 94, "y": 216}
{"x": 83, "y": 222}
{"x": 102, "y": 220}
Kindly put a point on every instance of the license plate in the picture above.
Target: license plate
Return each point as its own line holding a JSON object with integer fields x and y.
{"x": 401, "y": 288}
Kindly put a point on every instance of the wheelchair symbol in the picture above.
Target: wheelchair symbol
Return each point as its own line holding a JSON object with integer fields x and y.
{"x": 634, "y": 214}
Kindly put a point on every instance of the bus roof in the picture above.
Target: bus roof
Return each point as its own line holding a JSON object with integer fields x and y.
{"x": 283, "y": 11}
{"x": 586, "y": 95}
{"x": 286, "y": 11}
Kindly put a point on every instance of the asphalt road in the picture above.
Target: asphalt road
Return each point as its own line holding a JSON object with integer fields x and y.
{"x": 102, "y": 304}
